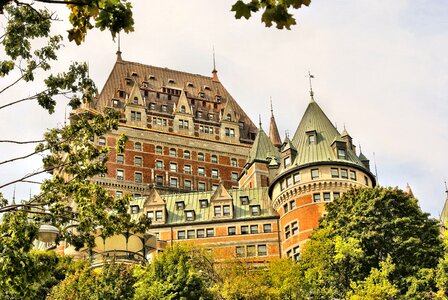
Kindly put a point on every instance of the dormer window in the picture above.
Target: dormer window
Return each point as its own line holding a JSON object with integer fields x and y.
{"x": 182, "y": 109}
{"x": 128, "y": 81}
{"x": 171, "y": 81}
{"x": 151, "y": 77}
{"x": 180, "y": 205}
{"x": 203, "y": 203}
{"x": 121, "y": 94}
{"x": 201, "y": 94}
{"x": 190, "y": 84}
{"x": 287, "y": 161}
{"x": 244, "y": 200}
{"x": 312, "y": 137}
{"x": 145, "y": 84}
{"x": 135, "y": 100}
{"x": 189, "y": 215}
{"x": 229, "y": 117}
{"x": 134, "y": 74}
{"x": 341, "y": 154}
{"x": 218, "y": 98}
{"x": 115, "y": 103}
{"x": 255, "y": 210}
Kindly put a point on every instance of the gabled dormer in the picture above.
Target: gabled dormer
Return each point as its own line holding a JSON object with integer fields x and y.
{"x": 339, "y": 147}
{"x": 229, "y": 124}
{"x": 155, "y": 207}
{"x": 135, "y": 111}
{"x": 288, "y": 153}
{"x": 183, "y": 116}
{"x": 347, "y": 139}
{"x": 221, "y": 203}
{"x": 365, "y": 161}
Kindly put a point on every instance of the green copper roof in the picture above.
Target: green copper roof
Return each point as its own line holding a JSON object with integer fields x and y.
{"x": 262, "y": 148}
{"x": 314, "y": 119}
{"x": 287, "y": 144}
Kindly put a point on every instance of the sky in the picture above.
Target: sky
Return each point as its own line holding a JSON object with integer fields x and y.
{"x": 380, "y": 69}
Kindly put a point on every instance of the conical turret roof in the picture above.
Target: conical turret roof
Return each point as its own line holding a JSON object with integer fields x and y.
{"x": 262, "y": 148}
{"x": 274, "y": 135}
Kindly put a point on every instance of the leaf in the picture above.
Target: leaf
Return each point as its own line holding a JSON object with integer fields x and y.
{"x": 241, "y": 10}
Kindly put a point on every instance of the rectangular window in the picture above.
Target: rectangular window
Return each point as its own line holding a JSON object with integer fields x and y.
{"x": 366, "y": 181}
{"x": 316, "y": 198}
{"x": 159, "y": 180}
{"x": 210, "y": 232}
{"x": 255, "y": 210}
{"x": 150, "y": 215}
{"x": 352, "y": 175}
{"x": 217, "y": 210}
{"x": 226, "y": 210}
{"x": 288, "y": 181}
{"x": 334, "y": 173}
{"x": 240, "y": 251}
{"x": 327, "y": 197}
{"x": 244, "y": 229}
{"x": 232, "y": 132}
{"x": 314, "y": 173}
{"x": 173, "y": 182}
{"x": 344, "y": 173}
{"x": 214, "y": 173}
{"x": 187, "y": 169}
{"x": 102, "y": 141}
{"x": 262, "y": 250}
{"x": 296, "y": 177}
{"x": 172, "y": 152}
{"x": 181, "y": 235}
{"x": 234, "y": 176}
{"x": 173, "y": 167}
{"x": 201, "y": 186}
{"x": 118, "y": 194}
{"x": 250, "y": 250}
{"x": 138, "y": 161}
{"x": 341, "y": 153}
{"x": 336, "y": 195}
{"x": 287, "y": 161}
{"x": 292, "y": 204}
{"x": 267, "y": 228}
{"x": 187, "y": 184}
{"x": 231, "y": 230}
{"x": 200, "y": 233}
{"x": 159, "y": 150}
{"x": 190, "y": 234}
{"x": 203, "y": 203}
{"x": 180, "y": 205}
{"x": 159, "y": 165}
{"x": 135, "y": 209}
{"x": 253, "y": 229}
{"x": 187, "y": 154}
{"x": 294, "y": 228}
{"x": 311, "y": 139}
{"x": 120, "y": 158}
{"x": 201, "y": 171}
{"x": 244, "y": 200}
{"x": 285, "y": 208}
{"x": 189, "y": 215}
{"x": 138, "y": 177}
{"x": 201, "y": 156}
{"x": 120, "y": 175}
{"x": 296, "y": 253}
{"x": 159, "y": 215}
{"x": 287, "y": 231}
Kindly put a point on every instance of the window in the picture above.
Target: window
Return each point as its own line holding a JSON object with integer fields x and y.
{"x": 296, "y": 253}
{"x": 189, "y": 215}
{"x": 214, "y": 173}
{"x": 118, "y": 194}
{"x": 244, "y": 200}
{"x": 200, "y": 233}
{"x": 234, "y": 176}
{"x": 173, "y": 167}
{"x": 183, "y": 124}
{"x": 366, "y": 181}
{"x": 138, "y": 177}
{"x": 292, "y": 204}
{"x": 159, "y": 180}
{"x": 210, "y": 232}
{"x": 250, "y": 250}
{"x": 181, "y": 235}
{"x": 267, "y": 228}
{"x": 186, "y": 154}
{"x": 228, "y": 117}
{"x": 262, "y": 250}
{"x": 159, "y": 215}
{"x": 187, "y": 169}
{"x": 287, "y": 161}
{"x": 138, "y": 161}
{"x": 190, "y": 234}
{"x": 336, "y": 195}
{"x": 296, "y": 177}
{"x": 159, "y": 150}
{"x": 120, "y": 158}
{"x": 180, "y": 205}
{"x": 311, "y": 139}
{"x": 327, "y": 197}
{"x": 182, "y": 109}
{"x": 316, "y": 198}
{"x": 201, "y": 156}
{"x": 120, "y": 175}
{"x": 201, "y": 186}
{"x": 288, "y": 181}
{"x": 159, "y": 165}
{"x": 233, "y": 162}
{"x": 173, "y": 182}
{"x": 152, "y": 106}
{"x": 215, "y": 187}
{"x": 287, "y": 231}
{"x": 137, "y": 196}
{"x": 102, "y": 141}
{"x": 334, "y": 173}
{"x": 231, "y": 230}
{"x": 203, "y": 203}
{"x": 244, "y": 229}
{"x": 115, "y": 103}
{"x": 187, "y": 184}
{"x": 352, "y": 175}
{"x": 217, "y": 210}
{"x": 240, "y": 251}
{"x": 150, "y": 215}
{"x": 344, "y": 173}
{"x": 214, "y": 159}
{"x": 136, "y": 116}
{"x": 294, "y": 228}
{"x": 226, "y": 210}
{"x": 255, "y": 210}
{"x": 164, "y": 108}
{"x": 138, "y": 146}
{"x": 314, "y": 173}
{"x": 253, "y": 229}
{"x": 199, "y": 114}
{"x": 173, "y": 152}
{"x": 285, "y": 208}
{"x": 341, "y": 153}
{"x": 201, "y": 171}
{"x": 135, "y": 100}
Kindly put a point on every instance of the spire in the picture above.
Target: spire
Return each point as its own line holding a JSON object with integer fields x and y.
{"x": 119, "y": 50}
{"x": 274, "y": 135}
{"x": 262, "y": 148}
{"x": 409, "y": 190}
{"x": 214, "y": 72}
{"x": 14, "y": 196}
{"x": 446, "y": 189}
{"x": 259, "y": 121}
{"x": 310, "y": 76}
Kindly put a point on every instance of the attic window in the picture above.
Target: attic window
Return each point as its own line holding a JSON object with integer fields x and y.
{"x": 201, "y": 94}
{"x": 171, "y": 81}
{"x": 190, "y": 84}
{"x": 134, "y": 74}
{"x": 145, "y": 84}
{"x": 180, "y": 205}
{"x": 121, "y": 94}
{"x": 182, "y": 109}
{"x": 287, "y": 161}
{"x": 189, "y": 215}
{"x": 341, "y": 154}
{"x": 115, "y": 103}
{"x": 218, "y": 98}
{"x": 255, "y": 210}
{"x": 128, "y": 81}
{"x": 228, "y": 117}
{"x": 312, "y": 137}
{"x": 135, "y": 100}
{"x": 244, "y": 200}
{"x": 151, "y": 77}
{"x": 206, "y": 87}
{"x": 203, "y": 203}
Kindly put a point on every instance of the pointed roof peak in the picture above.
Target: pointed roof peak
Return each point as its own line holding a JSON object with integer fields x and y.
{"x": 118, "y": 49}
{"x": 214, "y": 71}
{"x": 310, "y": 76}
{"x": 409, "y": 190}
{"x": 182, "y": 105}
{"x": 345, "y": 132}
{"x": 259, "y": 122}
{"x": 262, "y": 148}
{"x": 274, "y": 135}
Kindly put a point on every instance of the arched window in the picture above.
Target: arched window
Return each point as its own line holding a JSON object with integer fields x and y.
{"x": 229, "y": 117}
{"x": 182, "y": 109}
{"x": 201, "y": 156}
{"x": 186, "y": 154}
{"x": 233, "y": 162}
{"x": 135, "y": 100}
{"x": 173, "y": 152}
{"x": 214, "y": 159}
{"x": 159, "y": 150}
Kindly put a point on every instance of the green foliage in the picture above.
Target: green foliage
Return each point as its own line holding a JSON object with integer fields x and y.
{"x": 113, "y": 281}
{"x": 360, "y": 231}
{"x": 274, "y": 11}
{"x": 282, "y": 278}
{"x": 177, "y": 273}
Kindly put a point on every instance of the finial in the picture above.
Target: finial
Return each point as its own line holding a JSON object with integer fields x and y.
{"x": 272, "y": 109}
{"x": 119, "y": 48}
{"x": 214, "y": 72}
{"x": 287, "y": 133}
{"x": 310, "y": 76}
{"x": 446, "y": 188}
{"x": 259, "y": 120}
{"x": 14, "y": 196}
{"x": 360, "y": 150}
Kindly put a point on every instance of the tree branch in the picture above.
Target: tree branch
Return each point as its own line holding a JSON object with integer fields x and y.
{"x": 28, "y": 176}
{"x": 22, "y": 157}
{"x": 22, "y": 142}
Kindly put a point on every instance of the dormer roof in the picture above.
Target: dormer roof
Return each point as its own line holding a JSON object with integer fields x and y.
{"x": 182, "y": 105}
{"x": 262, "y": 148}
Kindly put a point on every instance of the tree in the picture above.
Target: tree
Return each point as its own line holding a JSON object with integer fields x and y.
{"x": 363, "y": 229}
{"x": 274, "y": 11}
{"x": 180, "y": 272}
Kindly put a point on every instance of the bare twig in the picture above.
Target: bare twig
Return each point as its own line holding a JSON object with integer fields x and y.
{"x": 22, "y": 142}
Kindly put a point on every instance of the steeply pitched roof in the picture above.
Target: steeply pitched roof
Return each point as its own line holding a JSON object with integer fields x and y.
{"x": 262, "y": 148}
{"x": 274, "y": 136}
{"x": 314, "y": 119}
{"x": 183, "y": 101}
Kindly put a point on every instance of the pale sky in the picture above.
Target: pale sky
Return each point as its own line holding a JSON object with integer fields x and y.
{"x": 380, "y": 69}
